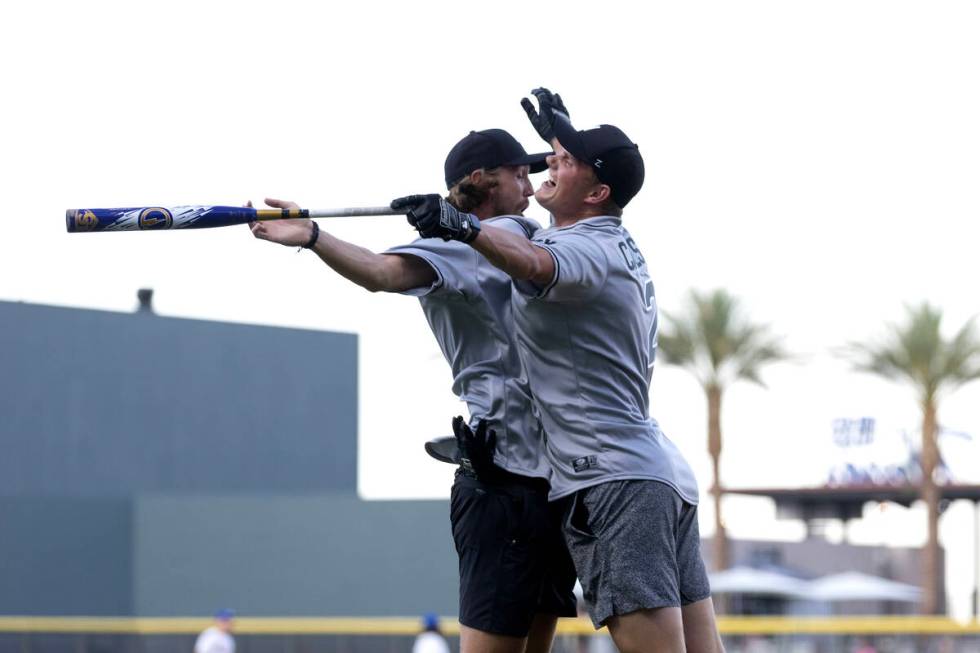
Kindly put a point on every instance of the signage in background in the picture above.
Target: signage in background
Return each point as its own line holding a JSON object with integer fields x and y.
{"x": 867, "y": 453}
{"x": 850, "y": 432}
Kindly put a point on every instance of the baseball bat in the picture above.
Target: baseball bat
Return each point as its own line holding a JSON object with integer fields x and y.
{"x": 153, "y": 218}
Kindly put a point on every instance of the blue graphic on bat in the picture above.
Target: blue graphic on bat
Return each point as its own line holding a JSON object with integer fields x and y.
{"x": 149, "y": 218}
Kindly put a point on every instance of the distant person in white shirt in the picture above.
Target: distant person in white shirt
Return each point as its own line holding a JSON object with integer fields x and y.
{"x": 430, "y": 640}
{"x": 217, "y": 637}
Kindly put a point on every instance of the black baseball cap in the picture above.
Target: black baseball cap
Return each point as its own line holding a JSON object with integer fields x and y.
{"x": 490, "y": 148}
{"x": 614, "y": 157}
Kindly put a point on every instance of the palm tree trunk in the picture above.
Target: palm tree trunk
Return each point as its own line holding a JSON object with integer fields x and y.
{"x": 720, "y": 542}
{"x": 930, "y": 496}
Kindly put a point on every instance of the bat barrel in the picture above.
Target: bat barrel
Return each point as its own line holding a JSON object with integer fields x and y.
{"x": 155, "y": 218}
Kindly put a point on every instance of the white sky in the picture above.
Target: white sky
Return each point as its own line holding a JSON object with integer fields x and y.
{"x": 818, "y": 159}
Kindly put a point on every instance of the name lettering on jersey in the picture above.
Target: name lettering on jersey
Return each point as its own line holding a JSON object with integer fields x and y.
{"x": 631, "y": 254}
{"x": 635, "y": 262}
{"x": 584, "y": 463}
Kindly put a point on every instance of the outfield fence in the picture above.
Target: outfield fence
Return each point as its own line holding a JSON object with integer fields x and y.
{"x": 395, "y": 635}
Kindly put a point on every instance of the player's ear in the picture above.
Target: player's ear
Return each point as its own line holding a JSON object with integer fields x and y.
{"x": 598, "y": 195}
{"x": 476, "y": 176}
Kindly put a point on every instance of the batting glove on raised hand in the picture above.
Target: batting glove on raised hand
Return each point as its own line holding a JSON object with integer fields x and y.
{"x": 476, "y": 449}
{"x": 544, "y": 120}
{"x": 434, "y": 217}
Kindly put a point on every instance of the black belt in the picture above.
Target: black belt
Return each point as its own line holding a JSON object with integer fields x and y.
{"x": 500, "y": 476}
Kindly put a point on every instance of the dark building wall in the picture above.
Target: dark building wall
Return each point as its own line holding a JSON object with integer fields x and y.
{"x": 293, "y": 556}
{"x": 95, "y": 403}
{"x": 98, "y": 408}
{"x": 65, "y": 556}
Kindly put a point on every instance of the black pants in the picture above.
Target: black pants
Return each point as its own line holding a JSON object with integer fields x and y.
{"x": 513, "y": 561}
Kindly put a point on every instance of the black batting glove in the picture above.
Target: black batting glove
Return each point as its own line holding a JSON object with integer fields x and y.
{"x": 543, "y": 120}
{"x": 434, "y": 217}
{"x": 407, "y": 204}
{"x": 419, "y": 209}
{"x": 476, "y": 449}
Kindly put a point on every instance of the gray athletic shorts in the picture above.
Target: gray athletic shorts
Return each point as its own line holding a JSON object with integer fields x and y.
{"x": 636, "y": 546}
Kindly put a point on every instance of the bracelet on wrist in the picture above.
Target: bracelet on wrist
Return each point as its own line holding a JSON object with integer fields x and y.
{"x": 314, "y": 236}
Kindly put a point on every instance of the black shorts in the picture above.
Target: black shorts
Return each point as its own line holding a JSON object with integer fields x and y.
{"x": 513, "y": 562}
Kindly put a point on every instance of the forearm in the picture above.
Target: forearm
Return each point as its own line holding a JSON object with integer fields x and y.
{"x": 373, "y": 272}
{"x": 515, "y": 255}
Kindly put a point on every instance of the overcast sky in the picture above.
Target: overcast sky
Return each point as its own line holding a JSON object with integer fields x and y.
{"x": 819, "y": 159}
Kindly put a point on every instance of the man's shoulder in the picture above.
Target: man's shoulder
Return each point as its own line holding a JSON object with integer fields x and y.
{"x": 584, "y": 228}
{"x": 589, "y": 233}
{"x": 515, "y": 223}
{"x": 600, "y": 223}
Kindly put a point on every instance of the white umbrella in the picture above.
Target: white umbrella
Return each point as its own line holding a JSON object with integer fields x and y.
{"x": 854, "y": 586}
{"x": 746, "y": 580}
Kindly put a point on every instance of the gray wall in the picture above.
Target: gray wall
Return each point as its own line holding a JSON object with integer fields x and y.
{"x": 95, "y": 403}
{"x": 100, "y": 410}
{"x": 65, "y": 556}
{"x": 293, "y": 556}
{"x": 265, "y": 555}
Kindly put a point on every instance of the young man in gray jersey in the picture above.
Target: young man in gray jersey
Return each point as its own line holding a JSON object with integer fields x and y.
{"x": 515, "y": 574}
{"x": 586, "y": 319}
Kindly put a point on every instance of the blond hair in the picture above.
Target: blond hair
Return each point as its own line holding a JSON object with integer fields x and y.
{"x": 467, "y": 196}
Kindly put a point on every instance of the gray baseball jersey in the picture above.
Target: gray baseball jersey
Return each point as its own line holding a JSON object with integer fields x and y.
{"x": 588, "y": 341}
{"x": 470, "y": 312}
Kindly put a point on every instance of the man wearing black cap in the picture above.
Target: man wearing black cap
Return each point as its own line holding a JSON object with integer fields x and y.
{"x": 586, "y": 319}
{"x": 516, "y": 576}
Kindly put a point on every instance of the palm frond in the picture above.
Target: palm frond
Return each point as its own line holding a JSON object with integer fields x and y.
{"x": 715, "y": 341}
{"x": 915, "y": 351}
{"x": 962, "y": 363}
{"x": 677, "y": 345}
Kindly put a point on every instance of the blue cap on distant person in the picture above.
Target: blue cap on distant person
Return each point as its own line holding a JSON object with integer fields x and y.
{"x": 430, "y": 621}
{"x": 224, "y": 614}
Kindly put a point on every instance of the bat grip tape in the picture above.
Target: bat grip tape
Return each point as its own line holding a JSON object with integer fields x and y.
{"x": 281, "y": 214}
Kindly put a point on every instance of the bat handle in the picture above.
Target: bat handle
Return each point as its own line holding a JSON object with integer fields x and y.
{"x": 354, "y": 212}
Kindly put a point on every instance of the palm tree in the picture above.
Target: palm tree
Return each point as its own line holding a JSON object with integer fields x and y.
{"x": 714, "y": 341}
{"x": 916, "y": 353}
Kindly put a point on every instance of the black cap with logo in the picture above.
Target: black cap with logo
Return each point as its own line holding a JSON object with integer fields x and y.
{"x": 614, "y": 157}
{"x": 490, "y": 148}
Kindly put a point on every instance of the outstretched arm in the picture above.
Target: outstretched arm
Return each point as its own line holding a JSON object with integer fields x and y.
{"x": 373, "y": 272}
{"x": 515, "y": 255}
{"x": 432, "y": 217}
